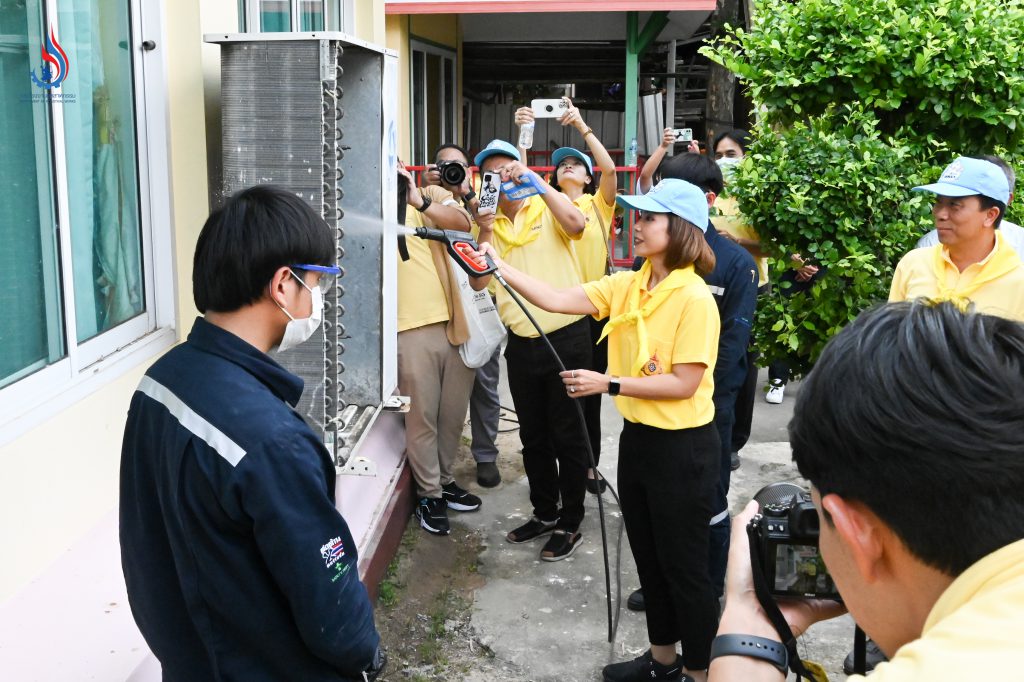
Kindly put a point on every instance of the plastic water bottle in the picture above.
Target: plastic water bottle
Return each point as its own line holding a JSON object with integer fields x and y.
{"x": 526, "y": 135}
{"x": 631, "y": 158}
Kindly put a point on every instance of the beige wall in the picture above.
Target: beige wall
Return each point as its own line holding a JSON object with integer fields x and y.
{"x": 370, "y": 23}
{"x": 61, "y": 478}
{"x": 443, "y": 29}
{"x": 397, "y": 39}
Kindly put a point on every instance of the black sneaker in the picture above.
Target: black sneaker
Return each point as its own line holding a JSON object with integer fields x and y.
{"x": 459, "y": 499}
{"x": 636, "y": 602}
{"x": 644, "y": 668}
{"x": 872, "y": 659}
{"x": 433, "y": 515}
{"x": 487, "y": 474}
{"x": 734, "y": 461}
{"x": 534, "y": 528}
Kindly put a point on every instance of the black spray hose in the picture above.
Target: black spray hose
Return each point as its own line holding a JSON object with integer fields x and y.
{"x": 613, "y": 622}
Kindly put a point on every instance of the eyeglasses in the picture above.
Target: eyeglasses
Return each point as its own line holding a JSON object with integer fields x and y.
{"x": 328, "y": 274}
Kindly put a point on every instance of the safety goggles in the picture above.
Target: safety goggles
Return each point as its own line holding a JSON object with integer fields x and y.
{"x": 328, "y": 274}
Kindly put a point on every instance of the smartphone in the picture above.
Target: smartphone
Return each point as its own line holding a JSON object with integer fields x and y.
{"x": 548, "y": 108}
{"x": 490, "y": 187}
{"x": 684, "y": 134}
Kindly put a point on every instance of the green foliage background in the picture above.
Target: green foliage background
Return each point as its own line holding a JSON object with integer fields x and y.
{"x": 858, "y": 101}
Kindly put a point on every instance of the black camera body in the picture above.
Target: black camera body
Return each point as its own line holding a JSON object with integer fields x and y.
{"x": 452, "y": 172}
{"x": 785, "y": 535}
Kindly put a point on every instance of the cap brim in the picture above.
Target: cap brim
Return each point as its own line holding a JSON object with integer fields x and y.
{"x": 945, "y": 189}
{"x": 487, "y": 153}
{"x": 562, "y": 153}
{"x": 642, "y": 202}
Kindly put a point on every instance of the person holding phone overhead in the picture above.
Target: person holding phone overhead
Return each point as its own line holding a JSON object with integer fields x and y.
{"x": 574, "y": 176}
{"x": 536, "y": 233}
{"x": 662, "y": 347}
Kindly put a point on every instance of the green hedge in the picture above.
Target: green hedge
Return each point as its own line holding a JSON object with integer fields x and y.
{"x": 858, "y": 101}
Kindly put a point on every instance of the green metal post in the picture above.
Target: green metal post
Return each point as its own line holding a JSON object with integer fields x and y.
{"x": 632, "y": 81}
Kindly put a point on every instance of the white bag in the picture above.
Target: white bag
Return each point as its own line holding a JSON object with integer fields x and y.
{"x": 486, "y": 332}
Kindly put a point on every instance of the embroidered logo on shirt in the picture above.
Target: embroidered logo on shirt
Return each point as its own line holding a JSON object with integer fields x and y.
{"x": 332, "y": 551}
{"x": 652, "y": 366}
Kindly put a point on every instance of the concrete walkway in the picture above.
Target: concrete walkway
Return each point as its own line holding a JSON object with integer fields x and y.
{"x": 547, "y": 621}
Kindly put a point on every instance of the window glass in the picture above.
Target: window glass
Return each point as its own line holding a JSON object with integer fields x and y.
{"x": 418, "y": 105}
{"x": 31, "y": 331}
{"x": 449, "y": 100}
{"x": 312, "y": 13}
{"x": 275, "y": 16}
{"x": 102, "y": 168}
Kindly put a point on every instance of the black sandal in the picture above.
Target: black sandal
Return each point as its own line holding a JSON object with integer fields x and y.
{"x": 560, "y": 545}
{"x": 530, "y": 530}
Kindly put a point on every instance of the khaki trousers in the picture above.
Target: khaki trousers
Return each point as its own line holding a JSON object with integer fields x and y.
{"x": 432, "y": 374}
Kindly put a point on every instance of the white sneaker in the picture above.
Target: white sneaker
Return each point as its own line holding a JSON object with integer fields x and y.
{"x": 776, "y": 389}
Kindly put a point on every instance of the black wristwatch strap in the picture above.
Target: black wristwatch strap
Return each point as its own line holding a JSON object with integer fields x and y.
{"x": 614, "y": 386}
{"x": 470, "y": 195}
{"x": 427, "y": 201}
{"x": 755, "y": 647}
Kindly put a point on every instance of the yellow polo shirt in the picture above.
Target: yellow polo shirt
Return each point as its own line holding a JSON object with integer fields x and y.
{"x": 592, "y": 249}
{"x": 729, "y": 219}
{"x": 975, "y": 631}
{"x": 421, "y": 299}
{"x": 915, "y": 277}
{"x": 549, "y": 257}
{"x": 682, "y": 330}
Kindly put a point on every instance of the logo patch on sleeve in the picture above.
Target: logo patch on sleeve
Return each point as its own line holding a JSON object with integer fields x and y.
{"x": 332, "y": 551}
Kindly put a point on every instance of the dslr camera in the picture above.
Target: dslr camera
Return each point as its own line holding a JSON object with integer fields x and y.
{"x": 452, "y": 172}
{"x": 785, "y": 537}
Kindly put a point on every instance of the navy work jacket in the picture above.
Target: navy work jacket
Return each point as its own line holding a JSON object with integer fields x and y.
{"x": 237, "y": 562}
{"x": 733, "y": 283}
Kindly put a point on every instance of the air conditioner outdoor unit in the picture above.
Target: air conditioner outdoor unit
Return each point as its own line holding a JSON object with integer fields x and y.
{"x": 315, "y": 113}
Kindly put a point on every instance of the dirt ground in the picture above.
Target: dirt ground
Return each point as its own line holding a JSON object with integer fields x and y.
{"x": 426, "y": 599}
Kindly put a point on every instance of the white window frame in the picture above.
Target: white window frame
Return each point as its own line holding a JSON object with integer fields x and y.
{"x": 339, "y": 15}
{"x": 90, "y": 365}
{"x": 426, "y": 47}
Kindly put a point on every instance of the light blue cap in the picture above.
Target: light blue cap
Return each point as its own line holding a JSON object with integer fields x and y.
{"x": 672, "y": 196}
{"x": 496, "y": 147}
{"x": 561, "y": 153}
{"x": 966, "y": 177}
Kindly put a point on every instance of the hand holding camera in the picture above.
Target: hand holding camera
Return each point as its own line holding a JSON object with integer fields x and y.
{"x": 524, "y": 115}
{"x": 572, "y": 116}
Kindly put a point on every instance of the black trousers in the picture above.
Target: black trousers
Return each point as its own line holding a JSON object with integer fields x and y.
{"x": 554, "y": 454}
{"x": 744, "y": 410}
{"x": 592, "y": 404}
{"x": 667, "y": 483}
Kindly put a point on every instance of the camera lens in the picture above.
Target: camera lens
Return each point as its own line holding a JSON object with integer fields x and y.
{"x": 452, "y": 173}
{"x": 549, "y": 108}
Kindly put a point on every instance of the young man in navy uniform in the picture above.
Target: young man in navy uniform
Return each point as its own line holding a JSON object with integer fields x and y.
{"x": 237, "y": 562}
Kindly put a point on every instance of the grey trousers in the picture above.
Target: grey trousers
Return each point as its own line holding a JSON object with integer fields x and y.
{"x": 432, "y": 374}
{"x": 485, "y": 410}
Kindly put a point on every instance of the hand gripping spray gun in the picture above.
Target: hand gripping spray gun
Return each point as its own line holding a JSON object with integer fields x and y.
{"x": 459, "y": 245}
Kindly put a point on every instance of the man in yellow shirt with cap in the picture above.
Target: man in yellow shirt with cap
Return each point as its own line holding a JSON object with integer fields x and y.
{"x": 973, "y": 262}
{"x": 536, "y": 235}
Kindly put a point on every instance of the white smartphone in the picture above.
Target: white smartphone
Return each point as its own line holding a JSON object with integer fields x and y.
{"x": 490, "y": 187}
{"x": 548, "y": 108}
{"x": 684, "y": 134}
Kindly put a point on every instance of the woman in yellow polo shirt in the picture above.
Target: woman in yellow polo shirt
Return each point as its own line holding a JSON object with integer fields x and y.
{"x": 663, "y": 343}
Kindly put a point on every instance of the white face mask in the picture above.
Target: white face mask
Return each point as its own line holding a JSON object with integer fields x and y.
{"x": 300, "y": 330}
{"x": 728, "y": 166}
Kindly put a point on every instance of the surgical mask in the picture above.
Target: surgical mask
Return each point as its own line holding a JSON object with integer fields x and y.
{"x": 728, "y": 166}
{"x": 299, "y": 330}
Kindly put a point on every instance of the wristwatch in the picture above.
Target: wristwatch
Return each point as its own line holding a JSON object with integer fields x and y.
{"x": 427, "y": 201}
{"x": 614, "y": 386}
{"x": 755, "y": 647}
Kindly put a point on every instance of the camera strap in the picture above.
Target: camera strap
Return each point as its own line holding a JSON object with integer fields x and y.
{"x": 771, "y": 609}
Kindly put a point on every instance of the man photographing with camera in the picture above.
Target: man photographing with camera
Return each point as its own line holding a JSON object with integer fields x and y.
{"x": 916, "y": 474}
